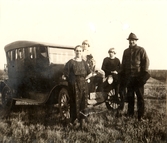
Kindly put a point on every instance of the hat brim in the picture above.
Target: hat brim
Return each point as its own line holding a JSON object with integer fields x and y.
{"x": 132, "y": 39}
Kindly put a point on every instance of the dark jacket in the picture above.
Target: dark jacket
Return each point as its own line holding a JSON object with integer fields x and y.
{"x": 135, "y": 63}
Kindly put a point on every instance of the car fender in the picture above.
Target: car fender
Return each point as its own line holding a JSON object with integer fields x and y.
{"x": 56, "y": 88}
{"x": 2, "y": 85}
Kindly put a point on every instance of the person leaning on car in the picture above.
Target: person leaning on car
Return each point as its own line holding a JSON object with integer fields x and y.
{"x": 134, "y": 74}
{"x": 97, "y": 79}
{"x": 75, "y": 71}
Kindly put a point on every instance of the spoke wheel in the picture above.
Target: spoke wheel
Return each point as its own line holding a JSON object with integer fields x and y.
{"x": 64, "y": 106}
{"x": 112, "y": 102}
{"x": 7, "y": 101}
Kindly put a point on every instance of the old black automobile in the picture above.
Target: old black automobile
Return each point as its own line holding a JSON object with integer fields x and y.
{"x": 34, "y": 72}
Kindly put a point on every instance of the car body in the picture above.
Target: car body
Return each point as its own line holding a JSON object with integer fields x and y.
{"x": 35, "y": 72}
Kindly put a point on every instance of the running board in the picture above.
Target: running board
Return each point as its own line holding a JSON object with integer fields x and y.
{"x": 28, "y": 100}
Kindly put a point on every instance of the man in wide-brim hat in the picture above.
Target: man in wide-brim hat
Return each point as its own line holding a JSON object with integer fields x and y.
{"x": 134, "y": 75}
{"x": 132, "y": 36}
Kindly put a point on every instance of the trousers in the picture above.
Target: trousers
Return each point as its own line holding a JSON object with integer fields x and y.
{"x": 134, "y": 88}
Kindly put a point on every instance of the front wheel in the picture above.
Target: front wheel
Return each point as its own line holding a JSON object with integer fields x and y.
{"x": 64, "y": 105}
{"x": 113, "y": 102}
{"x": 7, "y": 101}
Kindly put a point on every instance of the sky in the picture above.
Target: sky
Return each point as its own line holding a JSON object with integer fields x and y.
{"x": 105, "y": 24}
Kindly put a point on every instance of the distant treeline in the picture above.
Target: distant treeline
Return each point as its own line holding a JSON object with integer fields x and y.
{"x": 158, "y": 74}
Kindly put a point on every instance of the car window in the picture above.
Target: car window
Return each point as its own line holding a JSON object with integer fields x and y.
{"x": 9, "y": 56}
{"x": 13, "y": 56}
{"x": 60, "y": 56}
{"x": 20, "y": 53}
{"x": 42, "y": 52}
{"x": 31, "y": 53}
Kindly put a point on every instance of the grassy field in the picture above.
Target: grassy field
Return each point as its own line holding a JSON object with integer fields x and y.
{"x": 42, "y": 124}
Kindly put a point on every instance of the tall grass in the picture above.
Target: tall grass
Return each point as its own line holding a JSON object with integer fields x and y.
{"x": 42, "y": 124}
{"x": 21, "y": 126}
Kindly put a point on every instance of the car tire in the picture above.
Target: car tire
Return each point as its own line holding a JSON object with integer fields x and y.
{"x": 112, "y": 102}
{"x": 7, "y": 101}
{"x": 64, "y": 105}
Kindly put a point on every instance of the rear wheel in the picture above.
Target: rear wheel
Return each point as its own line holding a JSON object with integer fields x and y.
{"x": 7, "y": 101}
{"x": 113, "y": 102}
{"x": 64, "y": 105}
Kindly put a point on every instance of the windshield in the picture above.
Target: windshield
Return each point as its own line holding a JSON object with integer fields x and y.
{"x": 60, "y": 56}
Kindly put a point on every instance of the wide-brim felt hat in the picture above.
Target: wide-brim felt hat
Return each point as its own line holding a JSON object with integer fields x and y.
{"x": 132, "y": 36}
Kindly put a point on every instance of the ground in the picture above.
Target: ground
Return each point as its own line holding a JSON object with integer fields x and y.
{"x": 31, "y": 123}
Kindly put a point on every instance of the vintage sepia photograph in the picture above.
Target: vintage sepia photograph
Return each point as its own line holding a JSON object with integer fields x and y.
{"x": 83, "y": 71}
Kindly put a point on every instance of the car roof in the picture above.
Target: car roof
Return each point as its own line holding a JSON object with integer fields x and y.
{"x": 20, "y": 44}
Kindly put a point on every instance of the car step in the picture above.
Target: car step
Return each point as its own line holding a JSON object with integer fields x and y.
{"x": 28, "y": 100}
